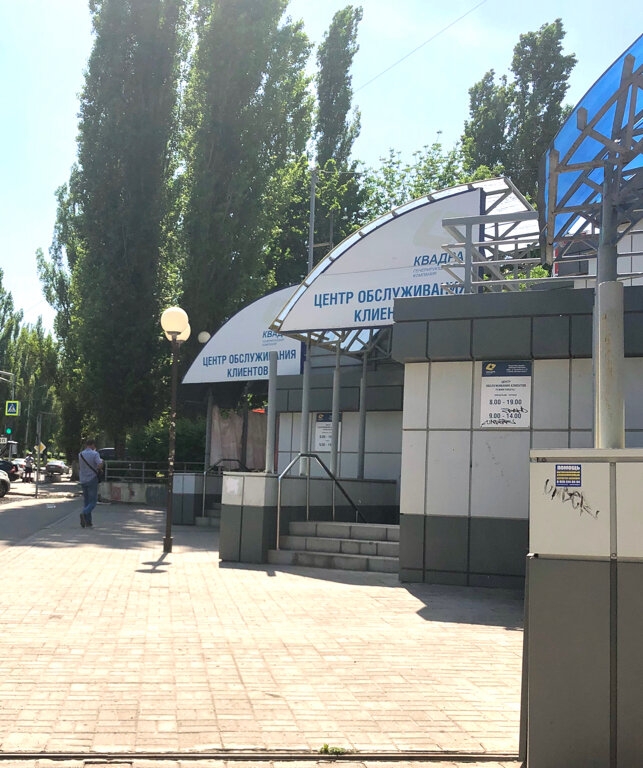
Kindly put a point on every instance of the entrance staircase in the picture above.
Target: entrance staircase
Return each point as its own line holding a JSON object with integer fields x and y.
{"x": 339, "y": 546}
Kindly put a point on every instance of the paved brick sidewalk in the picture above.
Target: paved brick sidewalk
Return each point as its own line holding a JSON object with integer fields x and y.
{"x": 105, "y": 644}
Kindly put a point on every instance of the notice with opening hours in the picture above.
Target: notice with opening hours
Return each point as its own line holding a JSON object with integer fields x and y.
{"x": 505, "y": 395}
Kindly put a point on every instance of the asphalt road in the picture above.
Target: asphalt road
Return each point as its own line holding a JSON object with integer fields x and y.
{"x": 22, "y": 515}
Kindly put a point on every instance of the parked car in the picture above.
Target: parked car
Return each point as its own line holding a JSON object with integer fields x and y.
{"x": 55, "y": 468}
{"x": 10, "y": 468}
{"x": 5, "y": 483}
{"x": 107, "y": 453}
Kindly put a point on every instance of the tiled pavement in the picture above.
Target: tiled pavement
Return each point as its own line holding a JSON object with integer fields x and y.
{"x": 107, "y": 645}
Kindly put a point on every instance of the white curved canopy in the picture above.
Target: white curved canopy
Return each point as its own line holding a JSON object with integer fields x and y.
{"x": 399, "y": 255}
{"x": 239, "y": 350}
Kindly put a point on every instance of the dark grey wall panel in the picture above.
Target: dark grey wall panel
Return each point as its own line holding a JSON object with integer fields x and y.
{"x": 446, "y": 577}
{"x": 568, "y": 664}
{"x": 550, "y": 337}
{"x": 384, "y": 399}
{"x": 446, "y": 543}
{"x": 409, "y": 341}
{"x": 411, "y": 575}
{"x": 449, "y": 340}
{"x": 348, "y": 399}
{"x": 321, "y": 399}
{"x": 230, "y": 533}
{"x": 294, "y": 400}
{"x": 282, "y": 400}
{"x": 630, "y": 663}
{"x": 504, "y": 338}
{"x": 581, "y": 341}
{"x": 499, "y": 546}
{"x": 514, "y": 304}
{"x": 633, "y": 333}
{"x": 412, "y": 542}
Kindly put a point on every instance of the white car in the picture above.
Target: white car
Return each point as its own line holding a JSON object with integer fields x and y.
{"x": 5, "y": 483}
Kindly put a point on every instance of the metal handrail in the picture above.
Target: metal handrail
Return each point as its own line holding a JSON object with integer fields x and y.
{"x": 209, "y": 469}
{"x": 297, "y": 458}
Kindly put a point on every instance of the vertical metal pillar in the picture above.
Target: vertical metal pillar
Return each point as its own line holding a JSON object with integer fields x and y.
{"x": 361, "y": 435}
{"x": 609, "y": 409}
{"x": 468, "y": 258}
{"x": 311, "y": 219}
{"x": 335, "y": 411}
{"x": 244, "y": 427}
{"x": 272, "y": 412}
{"x": 304, "y": 436}
{"x": 167, "y": 541}
{"x": 208, "y": 430}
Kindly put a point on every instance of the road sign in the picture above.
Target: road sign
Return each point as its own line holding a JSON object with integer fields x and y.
{"x": 12, "y": 408}
{"x": 3, "y": 439}
{"x": 40, "y": 448}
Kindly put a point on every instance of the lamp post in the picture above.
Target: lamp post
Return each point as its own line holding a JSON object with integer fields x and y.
{"x": 174, "y": 322}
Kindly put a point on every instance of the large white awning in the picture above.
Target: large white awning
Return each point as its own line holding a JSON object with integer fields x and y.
{"x": 239, "y": 350}
{"x": 348, "y": 297}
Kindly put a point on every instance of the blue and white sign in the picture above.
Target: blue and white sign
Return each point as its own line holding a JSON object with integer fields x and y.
{"x": 505, "y": 394}
{"x": 401, "y": 255}
{"x": 240, "y": 349}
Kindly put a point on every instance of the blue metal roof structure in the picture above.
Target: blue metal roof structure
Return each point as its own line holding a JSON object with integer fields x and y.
{"x": 604, "y": 131}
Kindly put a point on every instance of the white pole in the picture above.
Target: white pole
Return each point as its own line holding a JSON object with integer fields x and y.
{"x": 304, "y": 437}
{"x": 361, "y": 435}
{"x": 334, "y": 445}
{"x": 272, "y": 413}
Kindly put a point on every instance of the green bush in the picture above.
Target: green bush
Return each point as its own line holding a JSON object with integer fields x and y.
{"x": 151, "y": 443}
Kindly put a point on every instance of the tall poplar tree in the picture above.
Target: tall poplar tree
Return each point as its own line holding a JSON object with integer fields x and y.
{"x": 247, "y": 114}
{"x": 512, "y": 122}
{"x": 128, "y": 121}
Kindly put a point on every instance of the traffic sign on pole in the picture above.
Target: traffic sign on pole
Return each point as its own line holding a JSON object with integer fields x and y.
{"x": 12, "y": 408}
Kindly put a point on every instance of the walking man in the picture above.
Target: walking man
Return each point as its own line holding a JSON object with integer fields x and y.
{"x": 89, "y": 464}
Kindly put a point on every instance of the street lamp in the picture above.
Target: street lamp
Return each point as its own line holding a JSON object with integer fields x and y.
{"x": 174, "y": 322}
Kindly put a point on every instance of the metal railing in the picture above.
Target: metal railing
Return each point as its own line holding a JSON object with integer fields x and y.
{"x": 220, "y": 471}
{"x": 336, "y": 483}
{"x": 146, "y": 471}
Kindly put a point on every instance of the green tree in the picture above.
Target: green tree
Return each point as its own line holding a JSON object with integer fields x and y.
{"x": 335, "y": 132}
{"x": 127, "y": 132}
{"x": 247, "y": 115}
{"x": 512, "y": 123}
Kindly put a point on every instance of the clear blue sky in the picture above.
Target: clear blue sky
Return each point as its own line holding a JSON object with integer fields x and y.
{"x": 46, "y": 43}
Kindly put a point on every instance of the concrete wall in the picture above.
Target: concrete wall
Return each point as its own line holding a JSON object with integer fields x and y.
{"x": 464, "y": 496}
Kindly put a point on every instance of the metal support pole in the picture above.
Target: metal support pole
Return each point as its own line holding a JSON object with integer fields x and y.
{"x": 609, "y": 427}
{"x": 167, "y": 541}
{"x": 609, "y": 355}
{"x": 361, "y": 435}
{"x": 468, "y": 259}
{"x": 272, "y": 412}
{"x": 304, "y": 436}
{"x": 208, "y": 430}
{"x": 244, "y": 426}
{"x": 311, "y": 219}
{"x": 334, "y": 445}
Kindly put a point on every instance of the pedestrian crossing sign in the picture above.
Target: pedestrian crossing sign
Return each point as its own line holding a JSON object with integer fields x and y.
{"x": 12, "y": 408}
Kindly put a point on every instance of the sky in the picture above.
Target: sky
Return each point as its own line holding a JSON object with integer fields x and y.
{"x": 45, "y": 44}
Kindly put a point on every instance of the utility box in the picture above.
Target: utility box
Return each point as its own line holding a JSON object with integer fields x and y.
{"x": 584, "y": 609}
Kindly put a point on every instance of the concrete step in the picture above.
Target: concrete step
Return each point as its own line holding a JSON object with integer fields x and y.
{"x": 333, "y": 561}
{"x": 358, "y": 531}
{"x": 340, "y": 546}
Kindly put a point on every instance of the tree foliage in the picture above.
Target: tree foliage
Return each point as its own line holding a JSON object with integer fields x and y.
{"x": 512, "y": 123}
{"x": 335, "y": 132}
{"x": 247, "y": 115}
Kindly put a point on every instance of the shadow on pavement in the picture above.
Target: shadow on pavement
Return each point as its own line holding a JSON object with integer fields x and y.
{"x": 447, "y": 604}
